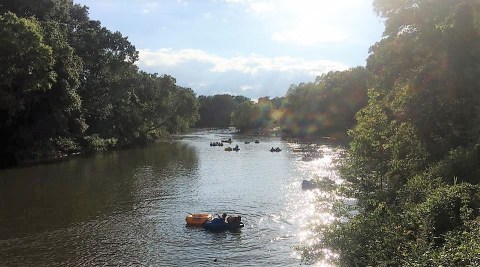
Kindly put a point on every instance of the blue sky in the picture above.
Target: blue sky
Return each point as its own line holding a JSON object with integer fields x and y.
{"x": 253, "y": 48}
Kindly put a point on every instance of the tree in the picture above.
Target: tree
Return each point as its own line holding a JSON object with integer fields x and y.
{"x": 27, "y": 63}
{"x": 69, "y": 85}
{"x": 430, "y": 54}
{"x": 26, "y": 75}
{"x": 244, "y": 117}
{"x": 216, "y": 111}
{"x": 327, "y": 105}
{"x": 107, "y": 58}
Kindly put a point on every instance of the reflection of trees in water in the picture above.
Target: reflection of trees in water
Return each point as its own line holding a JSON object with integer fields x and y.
{"x": 46, "y": 197}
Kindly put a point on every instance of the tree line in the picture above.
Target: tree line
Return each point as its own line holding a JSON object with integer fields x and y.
{"x": 69, "y": 85}
{"x": 326, "y": 106}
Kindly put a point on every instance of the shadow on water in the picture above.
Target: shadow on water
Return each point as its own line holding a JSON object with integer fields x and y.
{"x": 46, "y": 197}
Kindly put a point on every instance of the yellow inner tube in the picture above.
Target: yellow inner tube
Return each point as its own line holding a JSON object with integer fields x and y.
{"x": 198, "y": 218}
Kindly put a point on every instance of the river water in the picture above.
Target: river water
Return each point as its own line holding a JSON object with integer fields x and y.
{"x": 128, "y": 208}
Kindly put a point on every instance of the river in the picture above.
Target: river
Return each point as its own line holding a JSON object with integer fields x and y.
{"x": 128, "y": 208}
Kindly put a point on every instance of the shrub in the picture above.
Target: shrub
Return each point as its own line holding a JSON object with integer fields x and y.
{"x": 94, "y": 143}
{"x": 65, "y": 144}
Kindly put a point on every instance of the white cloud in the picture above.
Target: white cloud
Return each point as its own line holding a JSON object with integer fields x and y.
{"x": 246, "y": 87}
{"x": 235, "y": 1}
{"x": 197, "y": 84}
{"x": 251, "y": 64}
{"x": 169, "y": 57}
{"x": 207, "y": 15}
{"x": 262, "y": 7}
{"x": 183, "y": 2}
{"x": 252, "y": 75}
{"x": 309, "y": 22}
{"x": 309, "y": 36}
{"x": 149, "y": 6}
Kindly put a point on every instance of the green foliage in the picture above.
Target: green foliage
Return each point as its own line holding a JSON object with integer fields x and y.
{"x": 431, "y": 56}
{"x": 257, "y": 117}
{"x": 244, "y": 117}
{"x": 418, "y": 188}
{"x": 327, "y": 105}
{"x": 26, "y": 62}
{"x": 414, "y": 155}
{"x": 369, "y": 239}
{"x": 446, "y": 209}
{"x": 25, "y": 77}
{"x": 384, "y": 153}
{"x": 69, "y": 85}
{"x": 94, "y": 143}
{"x": 459, "y": 165}
{"x": 216, "y": 111}
{"x": 66, "y": 145}
{"x": 421, "y": 235}
{"x": 182, "y": 111}
{"x": 461, "y": 247}
{"x": 108, "y": 64}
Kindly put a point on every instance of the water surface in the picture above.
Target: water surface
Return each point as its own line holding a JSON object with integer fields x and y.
{"x": 128, "y": 207}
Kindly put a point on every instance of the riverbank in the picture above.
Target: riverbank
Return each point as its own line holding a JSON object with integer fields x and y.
{"x": 94, "y": 146}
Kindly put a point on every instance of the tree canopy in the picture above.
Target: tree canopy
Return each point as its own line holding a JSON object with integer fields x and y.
{"x": 326, "y": 106}
{"x": 70, "y": 85}
{"x": 216, "y": 111}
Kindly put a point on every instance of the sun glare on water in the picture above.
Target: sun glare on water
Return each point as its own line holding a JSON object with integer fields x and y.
{"x": 317, "y": 164}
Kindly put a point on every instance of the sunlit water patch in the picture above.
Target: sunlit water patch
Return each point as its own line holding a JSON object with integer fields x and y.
{"x": 319, "y": 166}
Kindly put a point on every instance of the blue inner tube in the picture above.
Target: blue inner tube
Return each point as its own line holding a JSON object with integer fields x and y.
{"x": 218, "y": 224}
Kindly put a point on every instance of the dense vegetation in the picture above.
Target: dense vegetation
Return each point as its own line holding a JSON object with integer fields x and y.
{"x": 215, "y": 111}
{"x": 326, "y": 106}
{"x": 414, "y": 161}
{"x": 69, "y": 85}
{"x": 259, "y": 116}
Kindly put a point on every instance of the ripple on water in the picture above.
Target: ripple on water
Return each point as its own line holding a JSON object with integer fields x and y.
{"x": 129, "y": 208}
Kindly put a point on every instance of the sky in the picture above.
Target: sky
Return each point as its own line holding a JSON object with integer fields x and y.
{"x": 254, "y": 48}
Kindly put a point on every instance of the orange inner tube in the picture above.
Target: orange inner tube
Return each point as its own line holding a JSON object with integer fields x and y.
{"x": 198, "y": 218}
